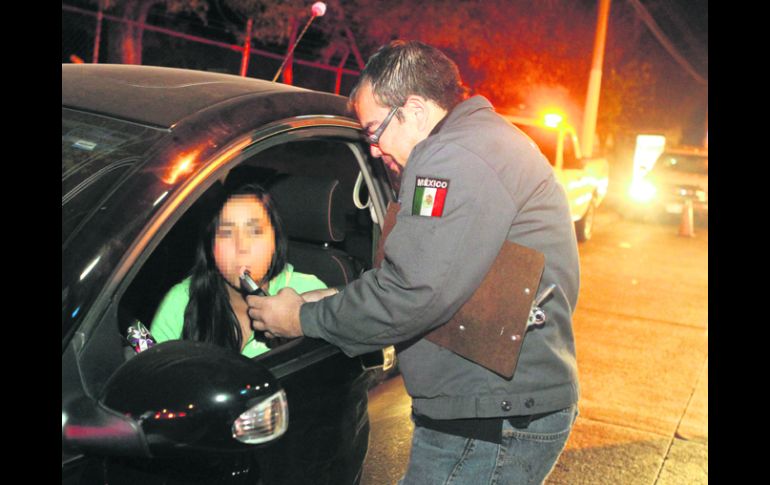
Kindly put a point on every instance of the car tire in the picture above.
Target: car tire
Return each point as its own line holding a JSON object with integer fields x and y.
{"x": 585, "y": 226}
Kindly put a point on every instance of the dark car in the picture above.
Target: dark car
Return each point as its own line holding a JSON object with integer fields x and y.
{"x": 678, "y": 177}
{"x": 142, "y": 150}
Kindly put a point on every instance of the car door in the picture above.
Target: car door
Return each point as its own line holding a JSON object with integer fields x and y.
{"x": 326, "y": 390}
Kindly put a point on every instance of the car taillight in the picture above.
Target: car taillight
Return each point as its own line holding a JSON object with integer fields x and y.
{"x": 264, "y": 422}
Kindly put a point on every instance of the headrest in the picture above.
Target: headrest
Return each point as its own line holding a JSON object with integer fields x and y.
{"x": 311, "y": 208}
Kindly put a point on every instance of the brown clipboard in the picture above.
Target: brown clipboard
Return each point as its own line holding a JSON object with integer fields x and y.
{"x": 489, "y": 328}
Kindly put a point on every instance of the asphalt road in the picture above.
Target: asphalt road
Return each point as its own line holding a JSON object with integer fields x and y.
{"x": 641, "y": 327}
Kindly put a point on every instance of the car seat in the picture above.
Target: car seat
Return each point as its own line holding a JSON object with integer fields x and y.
{"x": 313, "y": 215}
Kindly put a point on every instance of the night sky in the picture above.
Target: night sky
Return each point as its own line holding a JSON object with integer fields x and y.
{"x": 683, "y": 22}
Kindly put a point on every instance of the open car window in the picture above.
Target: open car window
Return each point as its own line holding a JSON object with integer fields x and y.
{"x": 325, "y": 171}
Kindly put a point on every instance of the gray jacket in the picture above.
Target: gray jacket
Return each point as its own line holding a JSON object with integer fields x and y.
{"x": 499, "y": 186}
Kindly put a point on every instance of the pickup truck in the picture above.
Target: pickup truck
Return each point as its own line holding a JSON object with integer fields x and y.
{"x": 584, "y": 179}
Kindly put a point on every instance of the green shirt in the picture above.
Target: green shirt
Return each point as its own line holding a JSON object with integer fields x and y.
{"x": 169, "y": 319}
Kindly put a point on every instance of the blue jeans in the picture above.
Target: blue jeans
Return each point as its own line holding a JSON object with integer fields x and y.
{"x": 526, "y": 455}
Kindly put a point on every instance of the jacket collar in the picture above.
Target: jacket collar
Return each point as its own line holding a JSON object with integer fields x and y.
{"x": 462, "y": 110}
{"x": 459, "y": 112}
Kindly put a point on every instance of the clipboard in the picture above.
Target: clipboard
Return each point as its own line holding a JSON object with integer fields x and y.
{"x": 489, "y": 328}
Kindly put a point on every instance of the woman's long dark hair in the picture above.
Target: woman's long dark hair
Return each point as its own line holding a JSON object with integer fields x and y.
{"x": 209, "y": 316}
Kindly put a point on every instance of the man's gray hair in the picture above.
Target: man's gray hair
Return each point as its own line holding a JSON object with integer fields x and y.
{"x": 403, "y": 68}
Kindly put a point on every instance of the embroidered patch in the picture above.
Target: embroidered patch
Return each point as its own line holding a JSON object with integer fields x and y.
{"x": 429, "y": 196}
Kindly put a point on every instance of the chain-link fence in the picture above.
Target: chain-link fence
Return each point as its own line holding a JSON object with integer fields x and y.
{"x": 183, "y": 41}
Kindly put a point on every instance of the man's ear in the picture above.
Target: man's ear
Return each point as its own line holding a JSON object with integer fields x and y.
{"x": 417, "y": 106}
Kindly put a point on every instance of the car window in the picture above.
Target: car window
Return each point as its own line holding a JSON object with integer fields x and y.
{"x": 694, "y": 164}
{"x": 95, "y": 151}
{"x": 315, "y": 158}
{"x": 174, "y": 257}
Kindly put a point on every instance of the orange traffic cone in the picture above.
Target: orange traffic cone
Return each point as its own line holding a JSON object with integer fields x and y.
{"x": 686, "y": 226}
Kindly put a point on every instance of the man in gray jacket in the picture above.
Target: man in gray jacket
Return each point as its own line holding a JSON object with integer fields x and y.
{"x": 470, "y": 181}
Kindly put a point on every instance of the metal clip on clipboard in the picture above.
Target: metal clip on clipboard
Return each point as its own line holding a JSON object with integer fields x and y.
{"x": 537, "y": 316}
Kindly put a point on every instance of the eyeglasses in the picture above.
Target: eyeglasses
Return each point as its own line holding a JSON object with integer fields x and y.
{"x": 374, "y": 138}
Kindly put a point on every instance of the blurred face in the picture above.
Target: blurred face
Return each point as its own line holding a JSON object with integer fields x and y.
{"x": 244, "y": 237}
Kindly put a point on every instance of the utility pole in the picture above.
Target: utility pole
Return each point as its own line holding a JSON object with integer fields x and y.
{"x": 595, "y": 80}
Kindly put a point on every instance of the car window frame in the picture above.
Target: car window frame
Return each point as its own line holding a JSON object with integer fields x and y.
{"x": 302, "y": 128}
{"x": 178, "y": 202}
{"x": 245, "y": 147}
{"x": 96, "y": 341}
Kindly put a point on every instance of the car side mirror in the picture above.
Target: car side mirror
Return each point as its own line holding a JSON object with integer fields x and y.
{"x": 180, "y": 395}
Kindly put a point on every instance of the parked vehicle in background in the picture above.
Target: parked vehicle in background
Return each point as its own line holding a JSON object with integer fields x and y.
{"x": 677, "y": 175}
{"x": 585, "y": 179}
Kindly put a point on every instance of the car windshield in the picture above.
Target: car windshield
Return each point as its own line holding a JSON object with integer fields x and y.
{"x": 544, "y": 138}
{"x": 696, "y": 164}
{"x": 95, "y": 151}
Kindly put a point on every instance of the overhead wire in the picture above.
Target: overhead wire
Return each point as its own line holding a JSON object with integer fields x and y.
{"x": 645, "y": 16}
{"x": 696, "y": 46}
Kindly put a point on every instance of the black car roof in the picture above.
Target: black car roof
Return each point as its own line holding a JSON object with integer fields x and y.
{"x": 158, "y": 96}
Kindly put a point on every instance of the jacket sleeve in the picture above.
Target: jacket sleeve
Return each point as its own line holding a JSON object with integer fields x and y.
{"x": 432, "y": 264}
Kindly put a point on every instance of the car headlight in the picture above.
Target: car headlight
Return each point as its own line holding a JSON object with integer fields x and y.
{"x": 642, "y": 191}
{"x": 266, "y": 421}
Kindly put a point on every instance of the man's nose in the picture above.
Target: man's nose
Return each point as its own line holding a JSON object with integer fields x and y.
{"x": 376, "y": 152}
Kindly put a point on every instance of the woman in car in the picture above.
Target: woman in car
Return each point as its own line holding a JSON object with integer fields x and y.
{"x": 210, "y": 306}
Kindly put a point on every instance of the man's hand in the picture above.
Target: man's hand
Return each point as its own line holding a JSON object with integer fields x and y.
{"x": 278, "y": 315}
{"x": 318, "y": 295}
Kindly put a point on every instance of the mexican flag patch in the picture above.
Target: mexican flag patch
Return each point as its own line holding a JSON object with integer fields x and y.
{"x": 429, "y": 197}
